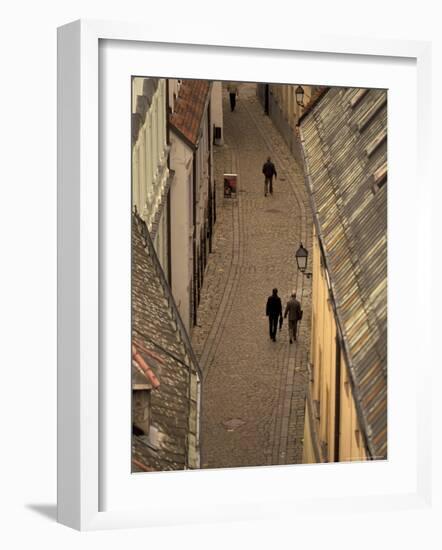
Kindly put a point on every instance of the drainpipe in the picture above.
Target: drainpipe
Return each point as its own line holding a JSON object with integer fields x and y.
{"x": 169, "y": 228}
{"x": 209, "y": 193}
{"x": 337, "y": 400}
{"x": 195, "y": 281}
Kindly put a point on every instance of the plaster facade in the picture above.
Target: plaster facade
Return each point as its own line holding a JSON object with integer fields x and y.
{"x": 150, "y": 159}
{"x": 332, "y": 432}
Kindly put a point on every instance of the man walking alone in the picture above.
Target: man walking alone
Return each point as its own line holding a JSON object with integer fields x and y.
{"x": 232, "y": 88}
{"x": 274, "y": 312}
{"x": 293, "y": 310}
{"x": 269, "y": 171}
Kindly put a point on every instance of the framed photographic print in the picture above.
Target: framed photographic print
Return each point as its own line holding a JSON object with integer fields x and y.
{"x": 232, "y": 277}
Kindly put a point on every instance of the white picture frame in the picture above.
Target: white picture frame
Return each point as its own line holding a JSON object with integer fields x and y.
{"x": 80, "y": 438}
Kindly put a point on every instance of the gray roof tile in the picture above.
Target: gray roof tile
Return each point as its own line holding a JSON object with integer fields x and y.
{"x": 154, "y": 328}
{"x": 344, "y": 143}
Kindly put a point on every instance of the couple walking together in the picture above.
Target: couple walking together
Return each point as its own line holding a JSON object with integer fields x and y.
{"x": 274, "y": 313}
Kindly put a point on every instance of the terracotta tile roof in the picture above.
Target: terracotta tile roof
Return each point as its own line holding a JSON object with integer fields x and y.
{"x": 189, "y": 109}
{"x": 344, "y": 140}
{"x": 143, "y": 365}
{"x": 139, "y": 378}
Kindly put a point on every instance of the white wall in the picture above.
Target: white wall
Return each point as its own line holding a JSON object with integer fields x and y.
{"x": 216, "y": 108}
{"x": 28, "y": 274}
{"x": 202, "y": 173}
{"x": 149, "y": 153}
{"x": 181, "y": 161}
{"x": 174, "y": 88}
{"x": 180, "y": 225}
{"x": 150, "y": 172}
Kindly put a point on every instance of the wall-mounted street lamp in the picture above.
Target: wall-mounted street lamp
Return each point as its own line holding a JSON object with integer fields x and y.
{"x": 299, "y": 94}
{"x": 301, "y": 256}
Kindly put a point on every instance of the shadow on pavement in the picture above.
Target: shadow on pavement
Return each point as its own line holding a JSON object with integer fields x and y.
{"x": 47, "y": 510}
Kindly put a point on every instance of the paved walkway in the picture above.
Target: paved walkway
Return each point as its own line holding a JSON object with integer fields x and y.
{"x": 253, "y": 389}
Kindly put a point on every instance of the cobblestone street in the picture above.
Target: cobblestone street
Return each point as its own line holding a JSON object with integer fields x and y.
{"x": 253, "y": 388}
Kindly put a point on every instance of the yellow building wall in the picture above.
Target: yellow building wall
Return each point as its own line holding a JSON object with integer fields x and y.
{"x": 322, "y": 387}
{"x": 308, "y": 450}
{"x": 351, "y": 444}
{"x": 285, "y": 96}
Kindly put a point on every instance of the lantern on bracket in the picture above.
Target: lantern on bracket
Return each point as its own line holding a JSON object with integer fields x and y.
{"x": 299, "y": 94}
{"x": 301, "y": 256}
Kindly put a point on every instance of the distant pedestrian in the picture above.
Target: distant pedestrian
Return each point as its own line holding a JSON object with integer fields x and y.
{"x": 294, "y": 312}
{"x": 269, "y": 171}
{"x": 233, "y": 93}
{"x": 274, "y": 312}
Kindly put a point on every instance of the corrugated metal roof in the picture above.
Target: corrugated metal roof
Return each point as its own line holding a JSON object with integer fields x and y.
{"x": 345, "y": 149}
{"x": 155, "y": 331}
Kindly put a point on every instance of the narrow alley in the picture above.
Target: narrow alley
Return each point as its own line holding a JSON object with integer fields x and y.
{"x": 253, "y": 400}
{"x": 211, "y": 388}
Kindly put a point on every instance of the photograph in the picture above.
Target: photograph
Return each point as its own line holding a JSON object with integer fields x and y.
{"x": 258, "y": 274}
{"x": 230, "y": 333}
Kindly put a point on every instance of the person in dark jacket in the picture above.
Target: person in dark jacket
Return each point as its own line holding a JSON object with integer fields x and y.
{"x": 232, "y": 88}
{"x": 269, "y": 171}
{"x": 293, "y": 310}
{"x": 274, "y": 312}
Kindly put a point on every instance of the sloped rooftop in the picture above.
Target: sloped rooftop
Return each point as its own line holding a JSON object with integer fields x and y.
{"x": 154, "y": 330}
{"x": 189, "y": 109}
{"x": 344, "y": 140}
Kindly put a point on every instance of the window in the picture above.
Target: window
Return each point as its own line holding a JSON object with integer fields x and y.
{"x": 155, "y": 135}
{"x": 141, "y": 410}
{"x": 372, "y": 112}
{"x": 379, "y": 178}
{"x": 142, "y": 171}
{"x": 151, "y": 160}
{"x": 313, "y": 349}
{"x": 357, "y": 97}
{"x": 373, "y": 146}
{"x": 328, "y": 420}
{"x": 144, "y": 381}
{"x": 318, "y": 376}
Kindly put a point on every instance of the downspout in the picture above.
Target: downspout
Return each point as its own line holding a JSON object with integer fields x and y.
{"x": 195, "y": 281}
{"x": 209, "y": 193}
{"x": 169, "y": 225}
{"x": 337, "y": 441}
{"x": 195, "y": 305}
{"x": 199, "y": 405}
